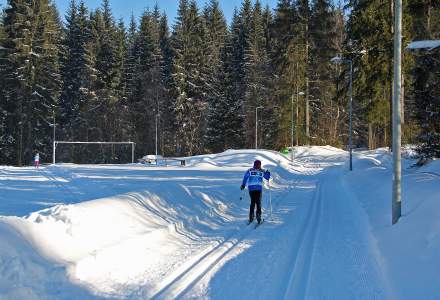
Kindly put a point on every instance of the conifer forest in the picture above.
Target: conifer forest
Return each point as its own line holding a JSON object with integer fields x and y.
{"x": 199, "y": 84}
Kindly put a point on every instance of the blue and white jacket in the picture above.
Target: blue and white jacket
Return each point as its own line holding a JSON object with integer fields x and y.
{"x": 254, "y": 179}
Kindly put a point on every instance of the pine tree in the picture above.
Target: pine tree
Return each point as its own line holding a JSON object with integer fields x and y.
{"x": 167, "y": 117}
{"x": 78, "y": 97}
{"x": 106, "y": 65}
{"x": 233, "y": 62}
{"x": 257, "y": 77}
{"x": 6, "y": 152}
{"x": 370, "y": 32}
{"x": 144, "y": 101}
{"x": 189, "y": 81}
{"x": 32, "y": 78}
{"x": 425, "y": 76}
{"x": 217, "y": 107}
{"x": 284, "y": 59}
{"x": 322, "y": 35}
{"x": 130, "y": 60}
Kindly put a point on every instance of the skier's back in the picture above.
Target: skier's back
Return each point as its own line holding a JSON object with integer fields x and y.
{"x": 254, "y": 179}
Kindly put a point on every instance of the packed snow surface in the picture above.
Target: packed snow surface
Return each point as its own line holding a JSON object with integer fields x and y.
{"x": 164, "y": 232}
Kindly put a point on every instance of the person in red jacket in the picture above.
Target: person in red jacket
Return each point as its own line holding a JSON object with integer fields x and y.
{"x": 254, "y": 179}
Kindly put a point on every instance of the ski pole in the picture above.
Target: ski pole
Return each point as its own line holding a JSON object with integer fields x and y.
{"x": 270, "y": 201}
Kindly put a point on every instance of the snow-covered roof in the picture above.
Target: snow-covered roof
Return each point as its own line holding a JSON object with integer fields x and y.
{"x": 428, "y": 45}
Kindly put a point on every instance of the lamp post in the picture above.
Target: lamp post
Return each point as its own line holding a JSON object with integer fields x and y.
{"x": 298, "y": 93}
{"x": 157, "y": 117}
{"x": 397, "y": 164}
{"x": 256, "y": 125}
{"x": 54, "y": 138}
{"x": 339, "y": 60}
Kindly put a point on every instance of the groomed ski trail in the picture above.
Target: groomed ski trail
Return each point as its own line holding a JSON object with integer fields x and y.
{"x": 186, "y": 277}
{"x": 337, "y": 257}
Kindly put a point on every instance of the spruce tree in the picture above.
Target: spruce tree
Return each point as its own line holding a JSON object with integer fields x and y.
{"x": 284, "y": 58}
{"x": 130, "y": 60}
{"x": 31, "y": 78}
{"x": 78, "y": 97}
{"x": 217, "y": 106}
{"x": 232, "y": 84}
{"x": 189, "y": 81}
{"x": 258, "y": 77}
{"x": 167, "y": 117}
{"x": 425, "y": 76}
{"x": 371, "y": 44}
{"x": 144, "y": 100}
{"x": 322, "y": 36}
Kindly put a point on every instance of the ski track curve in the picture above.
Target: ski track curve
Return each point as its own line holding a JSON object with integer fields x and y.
{"x": 190, "y": 273}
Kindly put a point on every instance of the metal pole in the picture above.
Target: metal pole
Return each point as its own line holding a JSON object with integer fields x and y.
{"x": 256, "y": 128}
{"x": 351, "y": 116}
{"x": 54, "y": 146}
{"x": 132, "y": 152}
{"x": 307, "y": 113}
{"x": 396, "y": 201}
{"x": 291, "y": 133}
{"x": 297, "y": 106}
{"x": 156, "y": 137}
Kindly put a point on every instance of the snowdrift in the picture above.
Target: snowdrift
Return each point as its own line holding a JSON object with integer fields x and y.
{"x": 130, "y": 232}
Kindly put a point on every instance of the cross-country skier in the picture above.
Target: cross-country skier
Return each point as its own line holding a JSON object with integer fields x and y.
{"x": 254, "y": 179}
{"x": 37, "y": 160}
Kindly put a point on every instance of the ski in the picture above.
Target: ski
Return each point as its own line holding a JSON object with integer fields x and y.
{"x": 258, "y": 224}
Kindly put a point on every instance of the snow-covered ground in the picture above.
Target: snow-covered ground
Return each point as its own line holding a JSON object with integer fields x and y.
{"x": 141, "y": 232}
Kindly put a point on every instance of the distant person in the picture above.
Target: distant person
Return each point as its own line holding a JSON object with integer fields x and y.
{"x": 254, "y": 179}
{"x": 37, "y": 160}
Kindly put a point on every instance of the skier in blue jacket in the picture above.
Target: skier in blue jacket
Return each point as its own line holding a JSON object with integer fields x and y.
{"x": 254, "y": 179}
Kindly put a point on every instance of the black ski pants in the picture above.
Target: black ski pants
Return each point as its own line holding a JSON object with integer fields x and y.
{"x": 255, "y": 201}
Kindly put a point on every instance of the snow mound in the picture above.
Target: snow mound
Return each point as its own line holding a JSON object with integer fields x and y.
{"x": 24, "y": 274}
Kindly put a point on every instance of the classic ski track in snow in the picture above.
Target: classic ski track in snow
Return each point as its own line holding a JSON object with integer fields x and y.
{"x": 344, "y": 248}
{"x": 298, "y": 278}
{"x": 325, "y": 240}
{"x": 52, "y": 178}
{"x": 194, "y": 270}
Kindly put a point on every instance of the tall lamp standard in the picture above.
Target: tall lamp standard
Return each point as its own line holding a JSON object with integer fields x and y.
{"x": 157, "y": 117}
{"x": 340, "y": 60}
{"x": 256, "y": 125}
{"x": 298, "y": 93}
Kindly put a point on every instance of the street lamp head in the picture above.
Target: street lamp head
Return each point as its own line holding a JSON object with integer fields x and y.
{"x": 336, "y": 60}
{"x": 424, "y": 45}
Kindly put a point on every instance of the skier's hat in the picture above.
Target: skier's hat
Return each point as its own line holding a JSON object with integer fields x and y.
{"x": 257, "y": 164}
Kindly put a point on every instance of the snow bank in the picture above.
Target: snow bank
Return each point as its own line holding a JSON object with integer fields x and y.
{"x": 147, "y": 222}
{"x": 411, "y": 248}
{"x": 122, "y": 245}
{"x": 24, "y": 274}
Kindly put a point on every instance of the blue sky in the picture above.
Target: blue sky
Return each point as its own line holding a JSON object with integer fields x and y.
{"x": 124, "y": 8}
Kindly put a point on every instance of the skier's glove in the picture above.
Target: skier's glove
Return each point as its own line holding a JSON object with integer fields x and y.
{"x": 242, "y": 187}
